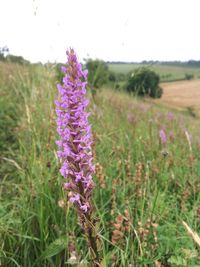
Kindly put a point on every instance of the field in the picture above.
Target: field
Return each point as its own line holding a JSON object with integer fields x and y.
{"x": 147, "y": 178}
{"x": 166, "y": 72}
{"x": 183, "y": 95}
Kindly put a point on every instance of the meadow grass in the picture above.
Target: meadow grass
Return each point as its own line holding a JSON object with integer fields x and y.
{"x": 166, "y": 72}
{"x": 144, "y": 189}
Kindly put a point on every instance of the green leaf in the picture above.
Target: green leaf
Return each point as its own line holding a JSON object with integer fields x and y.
{"x": 55, "y": 247}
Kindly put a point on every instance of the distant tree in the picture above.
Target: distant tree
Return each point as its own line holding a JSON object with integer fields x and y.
{"x": 144, "y": 82}
{"x": 189, "y": 76}
{"x": 112, "y": 76}
{"x": 97, "y": 73}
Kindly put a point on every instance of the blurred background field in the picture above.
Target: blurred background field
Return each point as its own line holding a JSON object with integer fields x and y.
{"x": 168, "y": 71}
{"x": 182, "y": 95}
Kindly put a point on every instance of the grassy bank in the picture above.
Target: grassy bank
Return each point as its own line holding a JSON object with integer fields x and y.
{"x": 144, "y": 188}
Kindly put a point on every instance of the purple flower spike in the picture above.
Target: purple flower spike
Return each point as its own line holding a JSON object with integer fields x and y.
{"x": 75, "y": 134}
{"x": 163, "y": 136}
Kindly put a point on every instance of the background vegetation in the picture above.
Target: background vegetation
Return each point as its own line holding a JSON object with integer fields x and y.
{"x": 168, "y": 71}
{"x": 144, "y": 82}
{"x": 145, "y": 187}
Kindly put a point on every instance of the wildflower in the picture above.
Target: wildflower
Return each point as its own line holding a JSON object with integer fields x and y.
{"x": 163, "y": 136}
{"x": 75, "y": 134}
{"x": 170, "y": 116}
{"x": 75, "y": 151}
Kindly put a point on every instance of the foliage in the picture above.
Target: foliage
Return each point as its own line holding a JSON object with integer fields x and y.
{"x": 144, "y": 82}
{"x": 6, "y": 57}
{"x": 17, "y": 59}
{"x": 189, "y": 76}
{"x": 97, "y": 72}
{"x": 112, "y": 76}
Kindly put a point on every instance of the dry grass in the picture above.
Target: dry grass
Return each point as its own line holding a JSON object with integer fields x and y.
{"x": 182, "y": 95}
{"x": 192, "y": 234}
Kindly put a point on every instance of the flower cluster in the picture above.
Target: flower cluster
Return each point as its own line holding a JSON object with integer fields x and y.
{"x": 75, "y": 134}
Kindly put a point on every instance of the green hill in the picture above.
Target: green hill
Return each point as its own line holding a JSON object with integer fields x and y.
{"x": 167, "y": 71}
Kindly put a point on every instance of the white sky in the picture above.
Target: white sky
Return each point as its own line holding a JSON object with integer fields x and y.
{"x": 117, "y": 30}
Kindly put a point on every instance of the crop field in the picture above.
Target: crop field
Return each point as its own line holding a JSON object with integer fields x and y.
{"x": 166, "y": 72}
{"x": 147, "y": 167}
{"x": 182, "y": 95}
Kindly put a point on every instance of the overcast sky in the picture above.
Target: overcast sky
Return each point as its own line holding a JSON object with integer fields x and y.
{"x": 115, "y": 30}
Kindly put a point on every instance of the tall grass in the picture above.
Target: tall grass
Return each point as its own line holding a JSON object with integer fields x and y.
{"x": 144, "y": 189}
